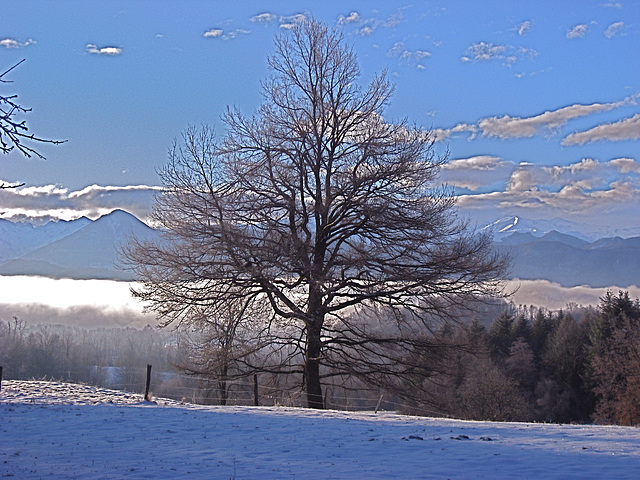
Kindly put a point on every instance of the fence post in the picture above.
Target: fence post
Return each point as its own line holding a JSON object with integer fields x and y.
{"x": 255, "y": 390}
{"x": 146, "y": 389}
{"x": 0, "y": 377}
{"x": 379, "y": 402}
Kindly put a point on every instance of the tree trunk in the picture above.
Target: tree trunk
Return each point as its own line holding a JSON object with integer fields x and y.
{"x": 222, "y": 385}
{"x": 312, "y": 368}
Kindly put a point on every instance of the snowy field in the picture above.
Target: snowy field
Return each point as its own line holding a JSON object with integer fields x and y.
{"x": 57, "y": 430}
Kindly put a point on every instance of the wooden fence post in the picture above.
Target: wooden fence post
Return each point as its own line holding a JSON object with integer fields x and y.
{"x": 379, "y": 402}
{"x": 146, "y": 389}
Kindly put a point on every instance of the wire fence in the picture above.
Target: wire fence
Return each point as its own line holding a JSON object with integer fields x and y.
{"x": 260, "y": 390}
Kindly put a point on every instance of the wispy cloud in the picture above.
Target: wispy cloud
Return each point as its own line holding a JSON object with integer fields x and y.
{"x": 265, "y": 17}
{"x": 521, "y": 127}
{"x": 109, "y": 51}
{"x": 476, "y": 172}
{"x": 292, "y": 20}
{"x": 523, "y": 28}
{"x": 487, "y": 51}
{"x": 578, "y": 31}
{"x": 613, "y": 29}
{"x": 224, "y": 35}
{"x": 416, "y": 56}
{"x": 483, "y": 52}
{"x": 367, "y": 26}
{"x": 440, "y": 134}
{"x": 46, "y": 202}
{"x": 625, "y": 129}
{"x": 12, "y": 43}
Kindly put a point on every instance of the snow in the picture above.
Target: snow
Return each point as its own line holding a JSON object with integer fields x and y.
{"x": 57, "y": 430}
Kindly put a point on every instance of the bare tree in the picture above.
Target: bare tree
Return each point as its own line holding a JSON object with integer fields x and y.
{"x": 219, "y": 342}
{"x": 13, "y": 130}
{"x": 330, "y": 214}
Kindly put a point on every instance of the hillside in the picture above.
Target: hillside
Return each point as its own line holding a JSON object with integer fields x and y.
{"x": 570, "y": 261}
{"x": 91, "y": 252}
{"x": 58, "y": 430}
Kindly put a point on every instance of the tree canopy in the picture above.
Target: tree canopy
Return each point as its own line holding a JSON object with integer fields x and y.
{"x": 324, "y": 212}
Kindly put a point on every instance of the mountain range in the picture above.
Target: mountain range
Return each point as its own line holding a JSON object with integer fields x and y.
{"x": 547, "y": 250}
{"x": 80, "y": 249}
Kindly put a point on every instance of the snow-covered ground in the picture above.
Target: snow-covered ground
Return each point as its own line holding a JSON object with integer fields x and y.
{"x": 57, "y": 430}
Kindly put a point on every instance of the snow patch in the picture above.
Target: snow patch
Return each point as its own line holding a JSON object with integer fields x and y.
{"x": 58, "y": 430}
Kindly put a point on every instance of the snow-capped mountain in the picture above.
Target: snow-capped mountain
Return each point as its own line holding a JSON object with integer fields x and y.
{"x": 507, "y": 226}
{"x": 17, "y": 239}
{"x": 89, "y": 252}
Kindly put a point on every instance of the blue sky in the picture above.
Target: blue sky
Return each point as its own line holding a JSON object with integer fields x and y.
{"x": 537, "y": 102}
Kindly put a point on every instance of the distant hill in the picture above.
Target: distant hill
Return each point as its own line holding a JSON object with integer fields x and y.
{"x": 90, "y": 252}
{"x": 85, "y": 249}
{"x": 571, "y": 261}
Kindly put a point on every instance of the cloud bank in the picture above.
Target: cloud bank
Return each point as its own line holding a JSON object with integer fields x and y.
{"x": 589, "y": 191}
{"x": 50, "y": 202}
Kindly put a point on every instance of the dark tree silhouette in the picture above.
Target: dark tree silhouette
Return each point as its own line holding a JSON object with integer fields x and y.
{"x": 328, "y": 213}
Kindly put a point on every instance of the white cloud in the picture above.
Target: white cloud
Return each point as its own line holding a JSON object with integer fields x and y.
{"x": 213, "y": 33}
{"x": 47, "y": 202}
{"x": 483, "y": 52}
{"x": 626, "y": 129}
{"x": 353, "y": 17}
{"x": 440, "y": 134}
{"x": 486, "y": 52}
{"x": 523, "y": 28}
{"x": 291, "y": 21}
{"x": 366, "y": 30}
{"x": 613, "y": 29}
{"x": 626, "y": 165}
{"x": 588, "y": 191}
{"x": 522, "y": 127}
{"x": 476, "y": 172}
{"x": 578, "y": 31}
{"x": 479, "y": 162}
{"x": 12, "y": 43}
{"x": 109, "y": 51}
{"x": 264, "y": 18}
{"x": 219, "y": 33}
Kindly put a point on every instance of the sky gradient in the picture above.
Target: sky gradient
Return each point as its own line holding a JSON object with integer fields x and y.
{"x": 536, "y": 102}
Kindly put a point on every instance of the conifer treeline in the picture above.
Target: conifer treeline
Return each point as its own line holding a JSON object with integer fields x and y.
{"x": 579, "y": 365}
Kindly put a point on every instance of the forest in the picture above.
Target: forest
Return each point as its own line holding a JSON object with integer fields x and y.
{"x": 515, "y": 363}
